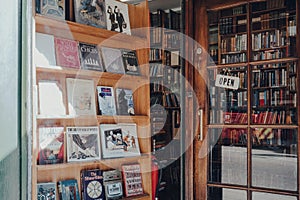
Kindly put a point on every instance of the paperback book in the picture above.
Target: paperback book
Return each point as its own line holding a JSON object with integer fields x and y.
{"x": 130, "y": 60}
{"x": 113, "y": 184}
{"x": 112, "y": 59}
{"x": 81, "y": 96}
{"x": 46, "y": 191}
{"x": 92, "y": 184}
{"x": 83, "y": 144}
{"x": 90, "y": 57}
{"x": 53, "y": 8}
{"x": 44, "y": 50}
{"x": 106, "y": 100}
{"x": 68, "y": 189}
{"x": 132, "y": 179}
{"x": 90, "y": 13}
{"x": 51, "y": 145}
{"x": 117, "y": 16}
{"x": 124, "y": 101}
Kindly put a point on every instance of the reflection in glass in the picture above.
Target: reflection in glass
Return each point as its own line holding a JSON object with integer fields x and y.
{"x": 228, "y": 156}
{"x": 215, "y": 193}
{"x": 274, "y": 158}
{"x": 268, "y": 196}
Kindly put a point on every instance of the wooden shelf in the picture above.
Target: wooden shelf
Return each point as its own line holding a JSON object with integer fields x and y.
{"x": 272, "y": 61}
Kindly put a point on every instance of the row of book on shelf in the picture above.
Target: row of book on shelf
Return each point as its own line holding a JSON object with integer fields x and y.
{"x": 54, "y": 51}
{"x": 81, "y": 98}
{"x": 96, "y": 184}
{"x": 106, "y": 14}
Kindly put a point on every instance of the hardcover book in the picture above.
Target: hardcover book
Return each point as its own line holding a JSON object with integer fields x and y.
{"x": 44, "y": 50}
{"x": 124, "y": 101}
{"x": 132, "y": 179}
{"x": 67, "y": 54}
{"x": 51, "y": 145}
{"x": 92, "y": 184}
{"x": 83, "y": 144}
{"x": 106, "y": 100}
{"x": 90, "y": 57}
{"x": 117, "y": 16}
{"x": 51, "y": 104}
{"x": 68, "y": 189}
{"x": 81, "y": 96}
{"x": 90, "y": 12}
{"x": 53, "y": 8}
{"x": 130, "y": 60}
{"x": 112, "y": 59}
{"x": 46, "y": 191}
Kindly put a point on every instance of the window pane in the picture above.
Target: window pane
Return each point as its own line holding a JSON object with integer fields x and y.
{"x": 228, "y": 156}
{"x": 274, "y": 158}
{"x": 215, "y": 193}
{"x": 268, "y": 196}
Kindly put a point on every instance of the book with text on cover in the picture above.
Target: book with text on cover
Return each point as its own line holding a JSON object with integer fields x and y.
{"x": 124, "y": 101}
{"x": 132, "y": 179}
{"x": 92, "y": 187}
{"x": 130, "y": 60}
{"x": 90, "y": 57}
{"x": 106, "y": 100}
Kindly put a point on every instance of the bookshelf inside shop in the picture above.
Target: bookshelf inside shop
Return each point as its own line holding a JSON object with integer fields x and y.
{"x": 70, "y": 167}
{"x": 252, "y": 45}
{"x": 165, "y": 72}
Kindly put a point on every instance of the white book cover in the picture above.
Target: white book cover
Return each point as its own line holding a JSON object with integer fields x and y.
{"x": 46, "y": 190}
{"x": 106, "y": 100}
{"x": 130, "y": 138}
{"x": 44, "y": 50}
{"x": 117, "y": 16}
{"x": 83, "y": 144}
{"x": 51, "y": 98}
{"x": 81, "y": 96}
{"x": 112, "y": 59}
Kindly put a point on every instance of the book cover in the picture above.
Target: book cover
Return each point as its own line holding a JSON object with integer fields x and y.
{"x": 68, "y": 189}
{"x": 130, "y": 60}
{"x": 83, "y": 144}
{"x": 51, "y": 104}
{"x": 132, "y": 179}
{"x": 44, "y": 53}
{"x": 67, "y": 54}
{"x": 92, "y": 184}
{"x": 90, "y": 57}
{"x": 112, "y": 59}
{"x": 106, "y": 100}
{"x": 51, "y": 145}
{"x": 112, "y": 144}
{"x": 81, "y": 96}
{"x": 130, "y": 139}
{"x": 112, "y": 180}
{"x": 117, "y": 16}
{"x": 90, "y": 12}
{"x": 46, "y": 191}
{"x": 124, "y": 101}
{"x": 53, "y": 8}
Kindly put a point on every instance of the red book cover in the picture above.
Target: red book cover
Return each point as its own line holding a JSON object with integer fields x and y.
{"x": 67, "y": 54}
{"x": 132, "y": 179}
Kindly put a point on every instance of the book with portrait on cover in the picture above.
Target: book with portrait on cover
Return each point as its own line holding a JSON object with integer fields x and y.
{"x": 53, "y": 8}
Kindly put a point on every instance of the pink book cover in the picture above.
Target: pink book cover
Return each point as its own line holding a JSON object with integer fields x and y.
{"x": 67, "y": 53}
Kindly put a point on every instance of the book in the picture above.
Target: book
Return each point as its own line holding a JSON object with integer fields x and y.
{"x": 68, "y": 189}
{"x": 106, "y": 100}
{"x": 51, "y": 145}
{"x": 113, "y": 184}
{"x": 112, "y": 59}
{"x": 124, "y": 101}
{"x": 92, "y": 184}
{"x": 46, "y": 191}
{"x": 81, "y": 96}
{"x": 130, "y": 139}
{"x": 132, "y": 179}
{"x": 117, "y": 16}
{"x": 90, "y": 13}
{"x": 53, "y": 8}
{"x": 44, "y": 53}
{"x": 83, "y": 143}
{"x": 67, "y": 54}
{"x": 51, "y": 104}
{"x": 130, "y": 60}
{"x": 90, "y": 57}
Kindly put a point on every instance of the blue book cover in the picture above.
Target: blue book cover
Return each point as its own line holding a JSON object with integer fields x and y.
{"x": 68, "y": 190}
{"x": 92, "y": 185}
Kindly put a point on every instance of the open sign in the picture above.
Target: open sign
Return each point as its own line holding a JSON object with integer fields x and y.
{"x": 230, "y": 82}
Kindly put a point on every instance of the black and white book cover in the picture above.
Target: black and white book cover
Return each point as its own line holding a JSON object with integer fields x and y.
{"x": 83, "y": 143}
{"x": 92, "y": 186}
{"x": 117, "y": 16}
{"x": 46, "y": 191}
{"x": 124, "y": 101}
{"x": 106, "y": 100}
{"x": 90, "y": 57}
{"x": 112, "y": 59}
{"x": 130, "y": 60}
{"x": 130, "y": 139}
{"x": 90, "y": 12}
{"x": 53, "y": 8}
